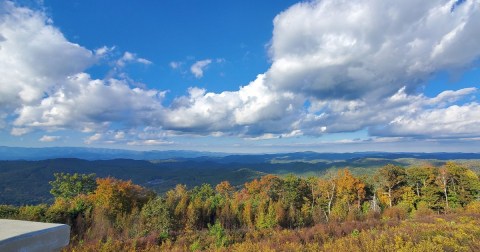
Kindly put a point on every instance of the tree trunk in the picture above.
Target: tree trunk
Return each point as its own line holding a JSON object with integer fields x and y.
{"x": 374, "y": 205}
{"x": 330, "y": 205}
{"x": 390, "y": 196}
{"x": 330, "y": 200}
{"x": 446, "y": 197}
{"x": 445, "y": 183}
{"x": 313, "y": 199}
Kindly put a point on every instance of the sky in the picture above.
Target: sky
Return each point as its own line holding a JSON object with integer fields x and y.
{"x": 241, "y": 76}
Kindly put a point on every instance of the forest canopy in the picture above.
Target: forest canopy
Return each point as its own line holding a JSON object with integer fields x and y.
{"x": 117, "y": 214}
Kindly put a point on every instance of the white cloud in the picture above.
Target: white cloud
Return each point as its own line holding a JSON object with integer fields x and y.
{"x": 369, "y": 49}
{"x": 82, "y": 101}
{"x": 452, "y": 121}
{"x": 175, "y": 64}
{"x": 104, "y": 50}
{"x": 354, "y": 59}
{"x": 45, "y": 87}
{"x": 144, "y": 61}
{"x": 337, "y": 66}
{"x": 48, "y": 139}
{"x": 268, "y": 136}
{"x": 198, "y": 67}
{"x": 73, "y": 100}
{"x": 93, "y": 138}
{"x": 34, "y": 58}
{"x": 348, "y": 116}
{"x": 119, "y": 135}
{"x": 131, "y": 57}
{"x": 351, "y": 73}
{"x": 150, "y": 142}
{"x": 252, "y": 110}
{"x": 20, "y": 131}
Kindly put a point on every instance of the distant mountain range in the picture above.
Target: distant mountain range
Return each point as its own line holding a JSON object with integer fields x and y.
{"x": 20, "y": 153}
{"x": 25, "y": 172}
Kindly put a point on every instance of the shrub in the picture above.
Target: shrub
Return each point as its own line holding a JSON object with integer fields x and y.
{"x": 473, "y": 207}
{"x": 395, "y": 213}
{"x": 33, "y": 213}
{"x": 422, "y": 210}
{"x": 8, "y": 212}
{"x": 221, "y": 238}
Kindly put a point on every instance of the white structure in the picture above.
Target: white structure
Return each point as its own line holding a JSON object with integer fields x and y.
{"x": 28, "y": 236}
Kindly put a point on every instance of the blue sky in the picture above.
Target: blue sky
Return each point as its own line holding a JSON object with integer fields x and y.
{"x": 241, "y": 76}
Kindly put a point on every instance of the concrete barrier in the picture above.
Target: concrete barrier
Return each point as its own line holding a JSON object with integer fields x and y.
{"x": 28, "y": 236}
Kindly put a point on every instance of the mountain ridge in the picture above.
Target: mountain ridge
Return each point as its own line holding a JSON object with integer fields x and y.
{"x": 42, "y": 153}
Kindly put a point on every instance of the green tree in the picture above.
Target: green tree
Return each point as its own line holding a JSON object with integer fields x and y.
{"x": 391, "y": 178}
{"x": 203, "y": 201}
{"x": 295, "y": 193}
{"x": 419, "y": 177}
{"x": 462, "y": 184}
{"x": 218, "y": 233}
{"x": 68, "y": 186}
{"x": 266, "y": 217}
{"x": 156, "y": 217}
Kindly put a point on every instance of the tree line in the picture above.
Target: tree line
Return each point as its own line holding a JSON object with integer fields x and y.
{"x": 101, "y": 208}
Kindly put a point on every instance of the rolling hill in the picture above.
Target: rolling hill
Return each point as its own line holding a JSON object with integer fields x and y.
{"x": 26, "y": 181}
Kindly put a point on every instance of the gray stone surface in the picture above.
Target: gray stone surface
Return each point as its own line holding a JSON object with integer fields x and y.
{"x": 28, "y": 236}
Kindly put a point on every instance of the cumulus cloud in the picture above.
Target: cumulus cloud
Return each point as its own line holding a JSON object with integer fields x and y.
{"x": 354, "y": 60}
{"x": 350, "y": 60}
{"x": 45, "y": 87}
{"x": 383, "y": 117}
{"x": 453, "y": 121}
{"x": 82, "y": 100}
{"x": 34, "y": 57}
{"x": 337, "y": 66}
{"x": 198, "y": 67}
{"x": 254, "y": 109}
{"x": 450, "y": 122}
{"x": 350, "y": 50}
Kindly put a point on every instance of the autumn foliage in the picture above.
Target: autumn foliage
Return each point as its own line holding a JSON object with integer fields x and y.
{"x": 396, "y": 209}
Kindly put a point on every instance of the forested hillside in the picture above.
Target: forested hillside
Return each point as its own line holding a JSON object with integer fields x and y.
{"x": 420, "y": 208}
{"x": 26, "y": 182}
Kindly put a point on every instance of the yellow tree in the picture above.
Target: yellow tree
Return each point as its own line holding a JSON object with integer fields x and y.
{"x": 350, "y": 189}
{"x": 177, "y": 201}
{"x": 325, "y": 192}
{"x": 116, "y": 196}
{"x": 225, "y": 211}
